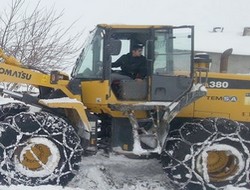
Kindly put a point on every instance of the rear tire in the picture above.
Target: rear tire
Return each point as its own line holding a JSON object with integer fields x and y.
{"x": 38, "y": 148}
{"x": 208, "y": 154}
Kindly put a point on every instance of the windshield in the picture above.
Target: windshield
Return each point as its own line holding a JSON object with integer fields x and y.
{"x": 89, "y": 63}
{"x": 173, "y": 50}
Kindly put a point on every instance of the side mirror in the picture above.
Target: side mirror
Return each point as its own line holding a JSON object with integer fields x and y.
{"x": 114, "y": 47}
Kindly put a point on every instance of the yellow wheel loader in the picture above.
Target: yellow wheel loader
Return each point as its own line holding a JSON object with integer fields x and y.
{"x": 44, "y": 136}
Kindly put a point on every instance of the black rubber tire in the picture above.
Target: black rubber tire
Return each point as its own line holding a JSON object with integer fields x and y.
{"x": 12, "y": 108}
{"x": 183, "y": 146}
{"x": 17, "y": 131}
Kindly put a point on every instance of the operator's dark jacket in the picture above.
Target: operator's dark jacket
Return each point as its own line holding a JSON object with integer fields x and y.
{"x": 134, "y": 67}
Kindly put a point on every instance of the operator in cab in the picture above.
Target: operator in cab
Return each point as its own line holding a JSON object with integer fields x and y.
{"x": 133, "y": 65}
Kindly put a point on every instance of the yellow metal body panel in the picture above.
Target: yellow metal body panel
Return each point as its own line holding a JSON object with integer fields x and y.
{"x": 228, "y": 96}
{"x": 96, "y": 95}
{"x": 17, "y": 74}
{"x": 71, "y": 104}
{"x": 95, "y": 92}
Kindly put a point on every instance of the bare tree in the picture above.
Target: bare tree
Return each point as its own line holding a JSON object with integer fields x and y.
{"x": 36, "y": 37}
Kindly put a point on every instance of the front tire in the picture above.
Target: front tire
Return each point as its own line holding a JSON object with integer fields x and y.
{"x": 11, "y": 108}
{"x": 208, "y": 154}
{"x": 38, "y": 148}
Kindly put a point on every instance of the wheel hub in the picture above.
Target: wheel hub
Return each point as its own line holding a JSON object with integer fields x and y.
{"x": 219, "y": 163}
{"x": 216, "y": 160}
{"x": 221, "y": 166}
{"x": 37, "y": 156}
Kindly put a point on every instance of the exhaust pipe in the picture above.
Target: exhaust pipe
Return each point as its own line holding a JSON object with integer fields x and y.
{"x": 224, "y": 60}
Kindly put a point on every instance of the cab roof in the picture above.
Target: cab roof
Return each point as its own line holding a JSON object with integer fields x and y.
{"x": 125, "y": 26}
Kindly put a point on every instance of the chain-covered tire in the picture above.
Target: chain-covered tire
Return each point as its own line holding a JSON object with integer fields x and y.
{"x": 10, "y": 108}
{"x": 38, "y": 148}
{"x": 208, "y": 154}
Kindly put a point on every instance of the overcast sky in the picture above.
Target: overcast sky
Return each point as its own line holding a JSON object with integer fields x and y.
{"x": 233, "y": 15}
{"x": 198, "y": 12}
{"x": 202, "y": 13}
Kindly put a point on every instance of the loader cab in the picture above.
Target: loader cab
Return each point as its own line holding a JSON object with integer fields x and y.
{"x": 168, "y": 51}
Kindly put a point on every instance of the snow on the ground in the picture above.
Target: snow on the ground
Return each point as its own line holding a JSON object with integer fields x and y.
{"x": 119, "y": 172}
{"x": 116, "y": 172}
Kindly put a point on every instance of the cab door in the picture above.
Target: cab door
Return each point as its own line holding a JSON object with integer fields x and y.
{"x": 172, "y": 63}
